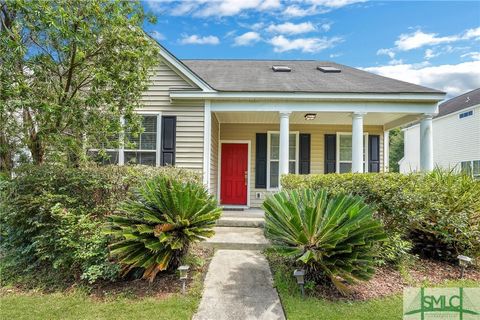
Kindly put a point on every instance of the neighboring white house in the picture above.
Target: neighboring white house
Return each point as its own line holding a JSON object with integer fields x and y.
{"x": 456, "y": 136}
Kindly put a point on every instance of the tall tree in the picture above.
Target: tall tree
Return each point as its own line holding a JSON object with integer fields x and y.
{"x": 69, "y": 70}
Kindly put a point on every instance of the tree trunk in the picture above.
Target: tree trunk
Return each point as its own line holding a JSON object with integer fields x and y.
{"x": 6, "y": 155}
{"x": 36, "y": 149}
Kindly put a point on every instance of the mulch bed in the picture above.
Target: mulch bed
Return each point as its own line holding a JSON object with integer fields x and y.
{"x": 388, "y": 280}
{"x": 163, "y": 286}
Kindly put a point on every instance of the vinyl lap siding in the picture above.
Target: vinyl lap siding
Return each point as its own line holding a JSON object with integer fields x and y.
{"x": 214, "y": 156}
{"x": 248, "y": 131}
{"x": 190, "y": 115}
{"x": 456, "y": 140}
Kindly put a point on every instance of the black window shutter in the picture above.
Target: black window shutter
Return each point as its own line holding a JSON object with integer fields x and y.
{"x": 330, "y": 153}
{"x": 261, "y": 161}
{"x": 373, "y": 153}
{"x": 169, "y": 128}
{"x": 304, "y": 167}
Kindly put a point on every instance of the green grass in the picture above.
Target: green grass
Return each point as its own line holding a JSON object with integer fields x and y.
{"x": 297, "y": 308}
{"x": 24, "y": 306}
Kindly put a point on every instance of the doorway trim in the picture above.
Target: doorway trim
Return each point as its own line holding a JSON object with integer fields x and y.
{"x": 219, "y": 182}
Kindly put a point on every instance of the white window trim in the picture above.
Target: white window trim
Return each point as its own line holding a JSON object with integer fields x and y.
{"x": 121, "y": 150}
{"x": 466, "y": 113}
{"x": 471, "y": 167}
{"x": 365, "y": 146}
{"x": 297, "y": 155}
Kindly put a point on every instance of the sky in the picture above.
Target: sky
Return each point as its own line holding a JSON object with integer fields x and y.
{"x": 431, "y": 43}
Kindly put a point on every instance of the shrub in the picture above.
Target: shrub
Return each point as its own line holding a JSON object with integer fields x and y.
{"x": 334, "y": 236}
{"x": 155, "y": 229}
{"x": 52, "y": 218}
{"x": 438, "y": 212}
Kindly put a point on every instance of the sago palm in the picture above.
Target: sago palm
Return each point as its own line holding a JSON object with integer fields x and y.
{"x": 333, "y": 236}
{"x": 154, "y": 231}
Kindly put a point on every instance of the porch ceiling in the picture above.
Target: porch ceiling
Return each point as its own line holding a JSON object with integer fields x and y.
{"x": 326, "y": 118}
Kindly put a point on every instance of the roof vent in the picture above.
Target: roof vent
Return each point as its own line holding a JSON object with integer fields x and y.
{"x": 328, "y": 69}
{"x": 281, "y": 69}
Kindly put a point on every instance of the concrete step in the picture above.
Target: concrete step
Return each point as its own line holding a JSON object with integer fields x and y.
{"x": 237, "y": 238}
{"x": 241, "y": 222}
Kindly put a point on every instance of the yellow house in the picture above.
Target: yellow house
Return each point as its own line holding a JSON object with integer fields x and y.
{"x": 244, "y": 123}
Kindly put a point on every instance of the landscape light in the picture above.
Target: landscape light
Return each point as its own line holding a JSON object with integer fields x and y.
{"x": 183, "y": 276}
{"x": 299, "y": 275}
{"x": 464, "y": 262}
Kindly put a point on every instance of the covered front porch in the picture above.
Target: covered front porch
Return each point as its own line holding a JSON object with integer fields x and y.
{"x": 250, "y": 150}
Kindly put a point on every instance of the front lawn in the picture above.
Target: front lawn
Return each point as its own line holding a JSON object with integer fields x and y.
{"x": 75, "y": 306}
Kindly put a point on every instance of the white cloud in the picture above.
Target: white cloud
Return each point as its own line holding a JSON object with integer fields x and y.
{"x": 222, "y": 8}
{"x": 395, "y": 62}
{"x": 420, "y": 39}
{"x": 429, "y": 54}
{"x": 310, "y": 45}
{"x": 454, "y": 79}
{"x": 157, "y": 35}
{"x": 335, "y": 3}
{"x": 326, "y": 27}
{"x": 472, "y": 33}
{"x": 247, "y": 38}
{"x": 312, "y": 7}
{"x": 195, "y": 39}
{"x": 388, "y": 52}
{"x": 257, "y": 26}
{"x": 475, "y": 55}
{"x": 296, "y": 11}
{"x": 291, "y": 28}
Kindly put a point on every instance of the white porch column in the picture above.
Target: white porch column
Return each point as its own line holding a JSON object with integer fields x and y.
{"x": 426, "y": 143}
{"x": 386, "y": 151}
{"x": 284, "y": 139}
{"x": 357, "y": 142}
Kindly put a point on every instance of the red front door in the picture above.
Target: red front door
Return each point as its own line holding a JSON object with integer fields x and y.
{"x": 234, "y": 173}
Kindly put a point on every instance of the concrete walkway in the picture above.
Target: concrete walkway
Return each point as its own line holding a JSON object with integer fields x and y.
{"x": 239, "y": 286}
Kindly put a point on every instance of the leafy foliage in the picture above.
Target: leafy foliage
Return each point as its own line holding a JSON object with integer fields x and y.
{"x": 52, "y": 218}
{"x": 333, "y": 236}
{"x": 396, "y": 149}
{"x": 154, "y": 231}
{"x": 70, "y": 70}
{"x": 438, "y": 212}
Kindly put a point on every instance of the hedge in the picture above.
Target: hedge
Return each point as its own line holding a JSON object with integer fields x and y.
{"x": 53, "y": 218}
{"x": 439, "y": 213}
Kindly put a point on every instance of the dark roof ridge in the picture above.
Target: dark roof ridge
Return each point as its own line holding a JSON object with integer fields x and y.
{"x": 458, "y": 97}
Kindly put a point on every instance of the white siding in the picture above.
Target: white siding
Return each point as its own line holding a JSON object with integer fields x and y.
{"x": 214, "y": 156}
{"x": 411, "y": 149}
{"x": 454, "y": 140}
{"x": 190, "y": 115}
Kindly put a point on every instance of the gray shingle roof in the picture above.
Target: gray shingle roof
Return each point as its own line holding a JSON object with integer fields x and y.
{"x": 463, "y": 101}
{"x": 258, "y": 76}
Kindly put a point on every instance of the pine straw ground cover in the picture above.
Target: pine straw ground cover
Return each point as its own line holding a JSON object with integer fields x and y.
{"x": 125, "y": 299}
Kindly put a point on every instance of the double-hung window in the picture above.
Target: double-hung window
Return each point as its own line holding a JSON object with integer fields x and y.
{"x": 273, "y": 156}
{"x": 139, "y": 149}
{"x": 143, "y": 148}
{"x": 344, "y": 152}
